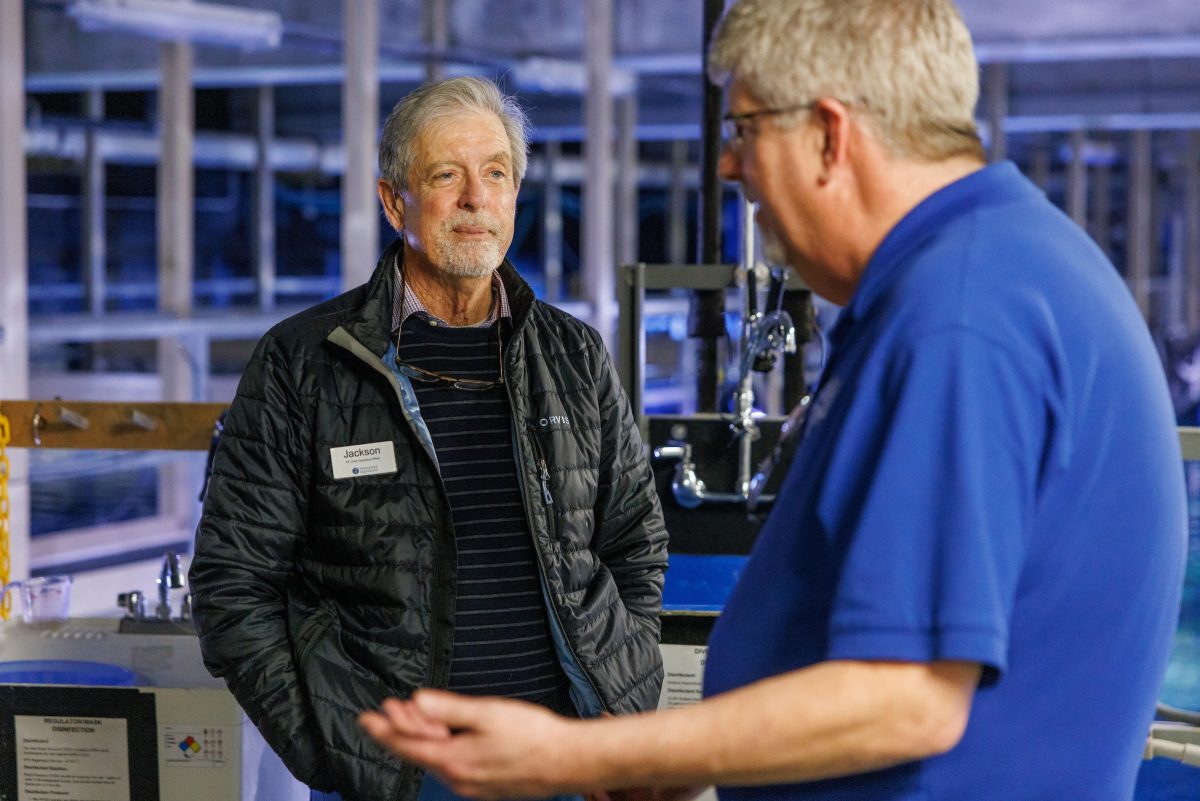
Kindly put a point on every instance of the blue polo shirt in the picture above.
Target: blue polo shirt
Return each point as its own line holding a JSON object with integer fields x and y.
{"x": 990, "y": 472}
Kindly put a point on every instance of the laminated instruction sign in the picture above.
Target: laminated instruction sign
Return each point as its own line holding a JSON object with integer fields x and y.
{"x": 683, "y": 683}
{"x": 685, "y": 651}
{"x": 683, "y": 679}
{"x": 70, "y": 743}
{"x": 69, "y": 758}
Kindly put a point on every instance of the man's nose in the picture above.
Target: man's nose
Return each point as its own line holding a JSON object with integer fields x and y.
{"x": 474, "y": 193}
{"x": 729, "y": 166}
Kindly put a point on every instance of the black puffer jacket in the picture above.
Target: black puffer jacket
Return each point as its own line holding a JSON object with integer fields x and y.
{"x": 316, "y": 598}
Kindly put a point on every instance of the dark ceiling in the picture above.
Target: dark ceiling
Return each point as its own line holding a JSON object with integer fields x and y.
{"x": 1070, "y": 57}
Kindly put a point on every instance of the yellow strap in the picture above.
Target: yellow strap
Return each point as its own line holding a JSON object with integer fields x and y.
{"x": 5, "y": 469}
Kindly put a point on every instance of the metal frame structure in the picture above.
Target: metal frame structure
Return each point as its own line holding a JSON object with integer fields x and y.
{"x": 635, "y": 280}
{"x": 604, "y": 72}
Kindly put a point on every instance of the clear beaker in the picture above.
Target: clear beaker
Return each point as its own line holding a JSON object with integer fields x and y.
{"x": 44, "y": 599}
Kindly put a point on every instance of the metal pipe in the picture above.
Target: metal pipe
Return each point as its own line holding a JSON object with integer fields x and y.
{"x": 235, "y": 151}
{"x": 627, "y": 183}
{"x": 1039, "y": 166}
{"x": 599, "y": 264}
{"x": 405, "y": 63}
{"x": 706, "y": 313}
{"x": 360, "y": 126}
{"x": 14, "y": 269}
{"x": 1140, "y": 239}
{"x": 677, "y": 204}
{"x": 1191, "y": 217}
{"x": 552, "y": 223}
{"x": 744, "y": 427}
{"x": 798, "y": 304}
{"x": 176, "y": 259}
{"x": 94, "y": 240}
{"x": 176, "y": 209}
{"x": 1099, "y": 224}
{"x": 995, "y": 77}
{"x": 689, "y": 490}
{"x": 436, "y": 32}
{"x": 1077, "y": 179}
{"x": 170, "y": 577}
{"x": 264, "y": 198}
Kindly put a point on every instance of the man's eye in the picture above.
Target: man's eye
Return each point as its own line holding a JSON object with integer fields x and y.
{"x": 498, "y": 174}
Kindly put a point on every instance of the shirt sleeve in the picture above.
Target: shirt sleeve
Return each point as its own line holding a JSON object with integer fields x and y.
{"x": 936, "y": 490}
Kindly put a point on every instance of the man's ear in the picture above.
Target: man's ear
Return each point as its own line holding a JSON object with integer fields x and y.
{"x": 834, "y": 119}
{"x": 393, "y": 206}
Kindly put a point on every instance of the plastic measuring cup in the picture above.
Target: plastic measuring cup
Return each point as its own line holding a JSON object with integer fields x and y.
{"x": 44, "y": 599}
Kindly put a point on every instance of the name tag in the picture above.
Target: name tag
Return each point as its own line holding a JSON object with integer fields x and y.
{"x": 370, "y": 459}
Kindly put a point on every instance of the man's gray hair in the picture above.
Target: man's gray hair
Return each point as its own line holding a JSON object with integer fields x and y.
{"x": 908, "y": 64}
{"x": 439, "y": 100}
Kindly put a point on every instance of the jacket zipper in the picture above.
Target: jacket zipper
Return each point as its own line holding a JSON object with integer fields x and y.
{"x": 353, "y": 347}
{"x": 408, "y": 771}
{"x": 546, "y": 483}
{"x": 312, "y": 629}
{"x": 544, "y": 476}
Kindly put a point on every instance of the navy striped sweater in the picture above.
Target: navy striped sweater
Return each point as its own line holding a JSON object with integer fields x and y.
{"x": 502, "y": 643}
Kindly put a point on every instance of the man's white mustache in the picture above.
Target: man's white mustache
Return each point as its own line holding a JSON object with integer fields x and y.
{"x": 472, "y": 221}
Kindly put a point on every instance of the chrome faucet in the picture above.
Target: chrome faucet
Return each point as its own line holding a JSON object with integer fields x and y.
{"x": 170, "y": 577}
{"x": 134, "y": 604}
{"x": 687, "y": 487}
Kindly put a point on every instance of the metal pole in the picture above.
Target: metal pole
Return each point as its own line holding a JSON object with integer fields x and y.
{"x": 436, "y": 30}
{"x": 94, "y": 243}
{"x": 1140, "y": 240}
{"x": 14, "y": 269}
{"x": 552, "y": 222}
{"x": 677, "y": 205}
{"x": 177, "y": 482}
{"x": 1191, "y": 217}
{"x": 176, "y": 210}
{"x": 798, "y": 304}
{"x": 1077, "y": 183}
{"x": 264, "y": 198}
{"x": 1039, "y": 168}
{"x": 598, "y": 256}
{"x": 1099, "y": 226}
{"x": 743, "y": 405}
{"x": 631, "y": 350}
{"x": 995, "y": 78}
{"x": 360, "y": 127}
{"x": 627, "y": 184}
{"x": 749, "y": 261}
{"x": 706, "y": 312}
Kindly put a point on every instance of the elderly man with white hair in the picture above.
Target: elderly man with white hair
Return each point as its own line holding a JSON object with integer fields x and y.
{"x": 433, "y": 480}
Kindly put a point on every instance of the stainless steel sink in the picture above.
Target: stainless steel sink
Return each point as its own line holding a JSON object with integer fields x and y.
{"x": 151, "y": 625}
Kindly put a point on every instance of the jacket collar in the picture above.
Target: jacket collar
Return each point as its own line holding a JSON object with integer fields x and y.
{"x": 371, "y": 322}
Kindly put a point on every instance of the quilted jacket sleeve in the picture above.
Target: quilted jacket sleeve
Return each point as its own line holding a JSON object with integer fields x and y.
{"x": 254, "y": 516}
{"x": 631, "y": 535}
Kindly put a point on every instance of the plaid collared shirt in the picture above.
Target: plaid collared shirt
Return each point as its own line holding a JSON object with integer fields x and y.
{"x": 406, "y": 303}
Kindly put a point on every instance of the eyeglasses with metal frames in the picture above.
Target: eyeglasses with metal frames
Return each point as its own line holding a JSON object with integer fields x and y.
{"x": 734, "y": 129}
{"x": 469, "y": 384}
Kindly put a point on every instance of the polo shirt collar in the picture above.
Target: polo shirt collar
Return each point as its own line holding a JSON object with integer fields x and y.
{"x": 990, "y": 186}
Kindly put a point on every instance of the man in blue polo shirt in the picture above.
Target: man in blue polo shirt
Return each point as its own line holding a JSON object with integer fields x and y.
{"x": 970, "y": 583}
